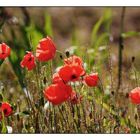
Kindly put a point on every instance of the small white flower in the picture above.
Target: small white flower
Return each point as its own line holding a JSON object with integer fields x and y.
{"x": 9, "y": 129}
{"x": 46, "y": 106}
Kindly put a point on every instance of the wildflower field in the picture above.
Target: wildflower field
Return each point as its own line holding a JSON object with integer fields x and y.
{"x": 69, "y": 70}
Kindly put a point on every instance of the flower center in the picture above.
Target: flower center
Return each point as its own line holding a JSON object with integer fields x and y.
{"x": 5, "y": 111}
{"x": 73, "y": 76}
{"x": 30, "y": 59}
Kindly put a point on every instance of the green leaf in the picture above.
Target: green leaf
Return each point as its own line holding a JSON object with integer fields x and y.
{"x": 33, "y": 35}
{"x": 15, "y": 62}
{"x": 74, "y": 39}
{"x": 17, "y": 54}
{"x": 95, "y": 30}
{"x": 104, "y": 20}
{"x": 107, "y": 19}
{"x": 48, "y": 25}
{"x": 102, "y": 40}
{"x": 130, "y": 34}
{"x": 18, "y": 49}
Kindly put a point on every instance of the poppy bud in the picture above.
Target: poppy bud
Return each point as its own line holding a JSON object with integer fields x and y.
{"x": 127, "y": 95}
{"x": 136, "y": 116}
{"x": 67, "y": 53}
{"x": 44, "y": 80}
{"x": 112, "y": 92}
{"x": 61, "y": 57}
{"x": 133, "y": 59}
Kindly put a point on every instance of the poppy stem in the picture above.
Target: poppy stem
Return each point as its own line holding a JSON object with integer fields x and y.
{"x": 37, "y": 77}
{"x": 63, "y": 116}
{"x": 121, "y": 46}
{"x": 55, "y": 119}
{"x": 110, "y": 67}
{"x": 135, "y": 73}
{"x": 75, "y": 124}
{"x": 3, "y": 123}
{"x": 84, "y": 113}
{"x": 79, "y": 117}
{"x": 51, "y": 69}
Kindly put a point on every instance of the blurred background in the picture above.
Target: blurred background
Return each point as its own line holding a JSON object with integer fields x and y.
{"x": 69, "y": 20}
{"x": 92, "y": 28}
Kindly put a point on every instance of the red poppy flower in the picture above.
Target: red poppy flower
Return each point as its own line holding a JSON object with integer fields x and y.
{"x": 73, "y": 60}
{"x": 6, "y": 109}
{"x": 134, "y": 95}
{"x": 28, "y": 61}
{"x": 92, "y": 79}
{"x": 4, "y": 51}
{"x": 71, "y": 72}
{"x": 56, "y": 78}
{"x": 57, "y": 93}
{"x": 74, "y": 99}
{"x": 45, "y": 49}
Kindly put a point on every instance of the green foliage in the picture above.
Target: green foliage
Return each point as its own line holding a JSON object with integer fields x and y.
{"x": 15, "y": 62}
{"x": 95, "y": 31}
{"x": 130, "y": 34}
{"x": 74, "y": 40}
{"x": 104, "y": 20}
{"x": 33, "y": 35}
{"x": 4, "y": 130}
{"x": 48, "y": 25}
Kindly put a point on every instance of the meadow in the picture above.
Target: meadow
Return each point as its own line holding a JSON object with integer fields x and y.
{"x": 69, "y": 70}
